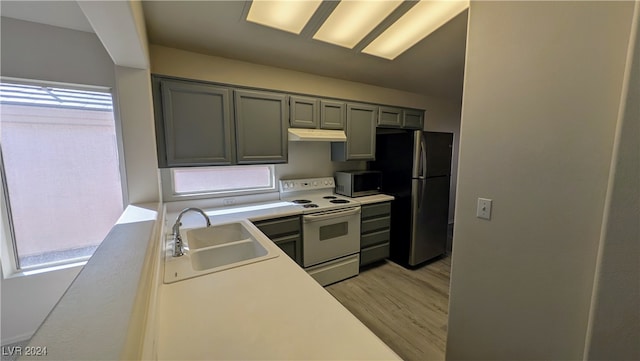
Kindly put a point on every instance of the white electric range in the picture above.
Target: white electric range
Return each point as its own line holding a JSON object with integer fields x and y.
{"x": 330, "y": 228}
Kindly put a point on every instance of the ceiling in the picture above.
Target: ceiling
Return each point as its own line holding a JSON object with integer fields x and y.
{"x": 432, "y": 67}
{"x": 64, "y": 14}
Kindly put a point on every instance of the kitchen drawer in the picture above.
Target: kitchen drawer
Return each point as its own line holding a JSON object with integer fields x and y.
{"x": 374, "y": 210}
{"x": 372, "y": 239}
{"x": 373, "y": 254}
{"x": 375, "y": 224}
{"x": 279, "y": 227}
{"x": 336, "y": 270}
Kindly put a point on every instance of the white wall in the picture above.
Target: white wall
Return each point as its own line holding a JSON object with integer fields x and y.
{"x": 135, "y": 107}
{"x": 543, "y": 82}
{"x": 180, "y": 63}
{"x": 614, "y": 332}
{"x": 313, "y": 159}
{"x": 444, "y": 116}
{"x": 42, "y": 52}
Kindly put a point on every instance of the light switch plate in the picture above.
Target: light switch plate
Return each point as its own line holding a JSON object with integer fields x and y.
{"x": 484, "y": 208}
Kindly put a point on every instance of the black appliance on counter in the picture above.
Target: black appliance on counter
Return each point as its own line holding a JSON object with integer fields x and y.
{"x": 416, "y": 170}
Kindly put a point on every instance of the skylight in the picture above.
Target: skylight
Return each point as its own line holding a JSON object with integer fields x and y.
{"x": 286, "y": 15}
{"x": 352, "y": 20}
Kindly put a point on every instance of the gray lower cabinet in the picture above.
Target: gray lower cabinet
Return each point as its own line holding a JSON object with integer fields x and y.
{"x": 194, "y": 123}
{"x": 412, "y": 119}
{"x": 375, "y": 232}
{"x": 261, "y": 127}
{"x": 361, "y": 134}
{"x": 286, "y": 233}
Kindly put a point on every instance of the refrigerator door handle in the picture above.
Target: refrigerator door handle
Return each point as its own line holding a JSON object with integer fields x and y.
{"x": 423, "y": 169}
{"x": 421, "y": 181}
{"x": 416, "y": 170}
{"x": 419, "y": 170}
{"x": 423, "y": 157}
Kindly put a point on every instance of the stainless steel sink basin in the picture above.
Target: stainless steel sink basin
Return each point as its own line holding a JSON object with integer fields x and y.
{"x": 217, "y": 248}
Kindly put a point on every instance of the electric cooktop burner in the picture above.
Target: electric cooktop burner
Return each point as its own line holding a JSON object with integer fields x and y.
{"x": 339, "y": 201}
{"x": 301, "y": 201}
{"x": 313, "y": 195}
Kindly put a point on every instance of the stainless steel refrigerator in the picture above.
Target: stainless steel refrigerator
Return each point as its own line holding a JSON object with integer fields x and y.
{"x": 416, "y": 170}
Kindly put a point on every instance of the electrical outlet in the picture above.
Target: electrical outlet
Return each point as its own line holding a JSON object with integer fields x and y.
{"x": 228, "y": 201}
{"x": 484, "y": 208}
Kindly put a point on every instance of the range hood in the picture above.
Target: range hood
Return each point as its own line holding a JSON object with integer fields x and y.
{"x": 316, "y": 135}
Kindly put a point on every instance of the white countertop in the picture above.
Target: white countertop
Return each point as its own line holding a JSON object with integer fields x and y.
{"x": 265, "y": 310}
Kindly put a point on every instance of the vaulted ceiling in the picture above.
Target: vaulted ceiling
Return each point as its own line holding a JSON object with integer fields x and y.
{"x": 432, "y": 67}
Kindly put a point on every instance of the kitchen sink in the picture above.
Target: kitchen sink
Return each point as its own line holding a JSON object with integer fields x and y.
{"x": 218, "y": 256}
{"x": 216, "y": 235}
{"x": 217, "y": 248}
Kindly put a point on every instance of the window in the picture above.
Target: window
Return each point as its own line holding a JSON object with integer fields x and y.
{"x": 219, "y": 180}
{"x": 60, "y": 172}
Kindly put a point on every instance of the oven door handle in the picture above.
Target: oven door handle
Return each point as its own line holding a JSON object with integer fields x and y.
{"x": 336, "y": 214}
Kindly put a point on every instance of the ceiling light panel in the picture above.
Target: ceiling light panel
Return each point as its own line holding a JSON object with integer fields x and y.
{"x": 287, "y": 15}
{"x": 352, "y": 20}
{"x": 416, "y": 24}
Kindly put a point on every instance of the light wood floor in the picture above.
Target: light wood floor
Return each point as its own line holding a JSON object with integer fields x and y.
{"x": 407, "y": 309}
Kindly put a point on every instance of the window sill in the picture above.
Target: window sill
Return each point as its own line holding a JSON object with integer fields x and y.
{"x": 55, "y": 268}
{"x": 131, "y": 214}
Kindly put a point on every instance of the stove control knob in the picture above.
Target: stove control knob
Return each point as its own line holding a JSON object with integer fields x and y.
{"x": 315, "y": 183}
{"x": 326, "y": 183}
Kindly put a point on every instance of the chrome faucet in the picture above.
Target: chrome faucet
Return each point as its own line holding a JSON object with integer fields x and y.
{"x": 178, "y": 247}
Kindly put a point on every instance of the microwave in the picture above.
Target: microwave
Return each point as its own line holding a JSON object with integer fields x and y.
{"x": 358, "y": 183}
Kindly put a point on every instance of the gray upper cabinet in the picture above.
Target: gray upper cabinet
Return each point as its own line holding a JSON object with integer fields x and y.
{"x": 261, "y": 127}
{"x": 390, "y": 117}
{"x": 361, "y": 134}
{"x": 393, "y": 117}
{"x": 413, "y": 119}
{"x": 303, "y": 112}
{"x": 332, "y": 114}
{"x": 194, "y": 123}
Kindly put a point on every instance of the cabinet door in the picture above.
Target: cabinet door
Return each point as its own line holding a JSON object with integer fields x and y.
{"x": 303, "y": 112}
{"x": 332, "y": 115}
{"x": 361, "y": 134}
{"x": 196, "y": 122}
{"x": 412, "y": 119}
{"x": 292, "y": 246}
{"x": 261, "y": 127}
{"x": 389, "y": 117}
